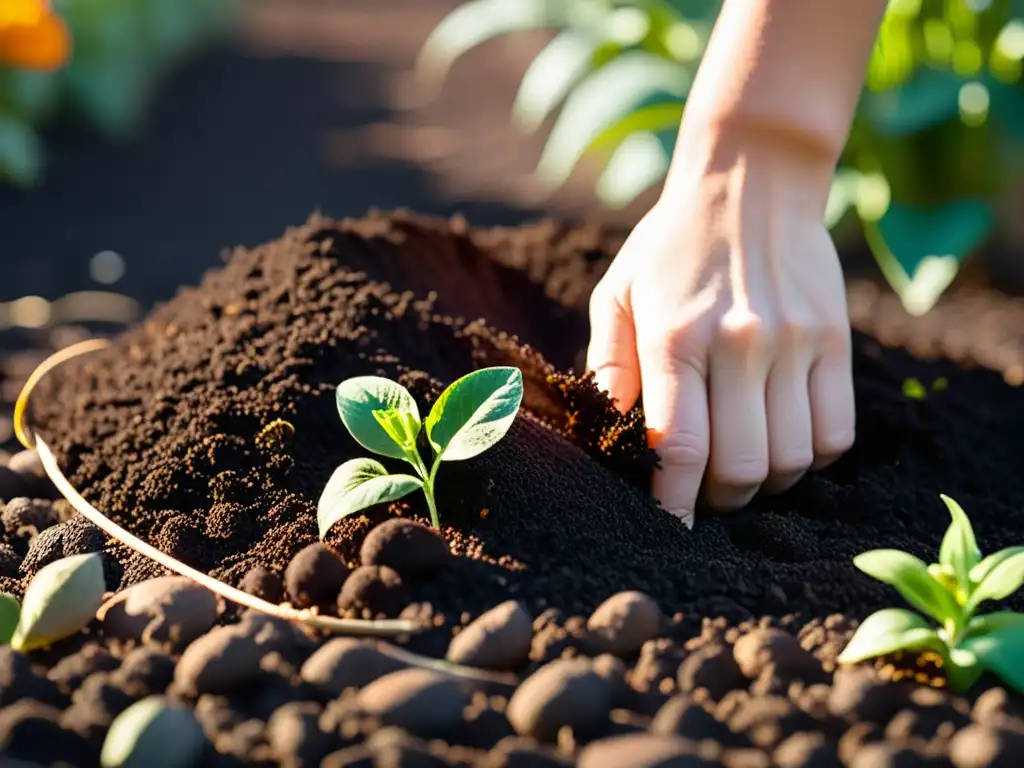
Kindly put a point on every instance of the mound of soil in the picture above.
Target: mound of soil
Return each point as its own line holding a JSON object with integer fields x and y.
{"x": 166, "y": 432}
{"x": 211, "y": 429}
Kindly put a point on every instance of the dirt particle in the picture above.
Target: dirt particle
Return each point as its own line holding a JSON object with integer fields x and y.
{"x": 314, "y": 577}
{"x": 408, "y": 547}
{"x": 499, "y": 639}
{"x": 373, "y": 591}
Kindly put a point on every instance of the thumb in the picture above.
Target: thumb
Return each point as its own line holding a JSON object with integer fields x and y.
{"x": 611, "y": 354}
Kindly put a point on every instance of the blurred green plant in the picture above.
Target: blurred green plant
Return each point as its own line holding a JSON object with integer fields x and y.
{"x": 121, "y": 50}
{"x": 938, "y": 134}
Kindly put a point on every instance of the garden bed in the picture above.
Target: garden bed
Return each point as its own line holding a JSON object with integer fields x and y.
{"x": 718, "y": 646}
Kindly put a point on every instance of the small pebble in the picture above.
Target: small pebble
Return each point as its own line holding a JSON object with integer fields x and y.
{"x": 394, "y": 747}
{"x": 264, "y": 584}
{"x": 756, "y": 650}
{"x": 806, "y": 750}
{"x": 374, "y": 590}
{"x": 408, "y": 547}
{"x": 219, "y": 662}
{"x": 32, "y": 731}
{"x": 165, "y": 609}
{"x": 641, "y": 750}
{"x": 625, "y": 621}
{"x": 680, "y": 716}
{"x": 711, "y": 667}
{"x": 314, "y": 577}
{"x": 566, "y": 692}
{"x": 295, "y": 737}
{"x": 27, "y": 464}
{"x": 346, "y": 662}
{"x": 422, "y": 701}
{"x": 982, "y": 746}
{"x": 858, "y": 695}
{"x": 521, "y": 752}
{"x": 26, "y": 518}
{"x": 498, "y": 639}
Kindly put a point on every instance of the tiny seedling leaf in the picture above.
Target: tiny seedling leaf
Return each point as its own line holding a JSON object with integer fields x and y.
{"x": 357, "y": 485}
{"x": 475, "y": 412}
{"x": 991, "y": 622}
{"x": 959, "y": 549}
{"x": 153, "y": 734}
{"x": 962, "y": 668}
{"x": 10, "y": 610}
{"x": 1002, "y": 653}
{"x": 401, "y": 426}
{"x": 887, "y": 631}
{"x": 61, "y": 600}
{"x": 981, "y": 571}
{"x": 910, "y": 577}
{"x": 360, "y": 397}
{"x": 1001, "y": 581}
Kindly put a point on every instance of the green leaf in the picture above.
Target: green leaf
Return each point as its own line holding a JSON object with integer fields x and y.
{"x": 639, "y": 163}
{"x": 61, "y": 599}
{"x": 955, "y": 229}
{"x": 475, "y": 412}
{"x": 981, "y": 571}
{"x": 1005, "y": 578}
{"x": 10, "y": 610}
{"x": 842, "y": 195}
{"x": 910, "y": 577}
{"x": 1002, "y": 653}
{"x": 551, "y": 76}
{"x": 402, "y": 427}
{"x": 962, "y": 668}
{"x": 605, "y": 97}
{"x": 475, "y": 22}
{"x": 21, "y": 152}
{"x": 153, "y": 734}
{"x": 959, "y": 549}
{"x": 656, "y": 116}
{"x": 358, "y": 398}
{"x": 887, "y": 631}
{"x": 990, "y": 622}
{"x": 357, "y": 485}
{"x": 927, "y": 98}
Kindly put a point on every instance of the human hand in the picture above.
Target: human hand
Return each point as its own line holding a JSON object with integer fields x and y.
{"x": 726, "y": 310}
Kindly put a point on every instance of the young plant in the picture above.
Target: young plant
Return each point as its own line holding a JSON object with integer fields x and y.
{"x": 950, "y": 592}
{"x": 471, "y": 415}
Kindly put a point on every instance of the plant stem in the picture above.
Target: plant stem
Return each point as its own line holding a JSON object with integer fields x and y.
{"x": 428, "y": 484}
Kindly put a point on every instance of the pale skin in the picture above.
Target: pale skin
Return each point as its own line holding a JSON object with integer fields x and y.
{"x": 725, "y": 308}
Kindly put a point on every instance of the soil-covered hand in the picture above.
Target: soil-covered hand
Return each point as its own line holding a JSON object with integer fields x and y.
{"x": 726, "y": 310}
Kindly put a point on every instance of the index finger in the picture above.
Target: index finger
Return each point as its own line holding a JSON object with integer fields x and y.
{"x": 675, "y": 401}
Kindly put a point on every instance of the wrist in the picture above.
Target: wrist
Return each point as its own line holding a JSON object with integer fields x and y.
{"x": 778, "y": 159}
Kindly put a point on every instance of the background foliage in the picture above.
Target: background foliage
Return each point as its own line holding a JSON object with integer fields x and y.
{"x": 937, "y": 139}
{"x": 121, "y": 49}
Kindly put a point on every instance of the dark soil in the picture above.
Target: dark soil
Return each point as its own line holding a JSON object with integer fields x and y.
{"x": 717, "y": 646}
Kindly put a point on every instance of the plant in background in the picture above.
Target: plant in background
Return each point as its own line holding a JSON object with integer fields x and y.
{"x": 470, "y": 416}
{"x": 937, "y": 137}
{"x": 950, "y": 592}
{"x": 94, "y": 60}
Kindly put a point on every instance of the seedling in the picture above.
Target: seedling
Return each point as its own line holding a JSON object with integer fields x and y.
{"x": 472, "y": 414}
{"x": 61, "y": 600}
{"x": 949, "y": 592}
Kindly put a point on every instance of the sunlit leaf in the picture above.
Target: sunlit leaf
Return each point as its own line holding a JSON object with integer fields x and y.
{"x": 475, "y": 412}
{"x": 1001, "y": 581}
{"x": 911, "y": 578}
{"x": 1002, "y": 653}
{"x": 602, "y": 99}
{"x": 638, "y": 164}
{"x": 842, "y": 195}
{"x": 927, "y": 98}
{"x": 981, "y": 571}
{"x": 153, "y": 734}
{"x": 990, "y": 622}
{"x": 551, "y": 76}
{"x": 959, "y": 549}
{"x": 360, "y": 397}
{"x": 61, "y": 599}
{"x": 475, "y": 22}
{"x": 887, "y": 631}
{"x": 357, "y": 485}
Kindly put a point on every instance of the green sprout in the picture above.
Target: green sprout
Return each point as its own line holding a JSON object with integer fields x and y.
{"x": 950, "y": 592}
{"x": 470, "y": 416}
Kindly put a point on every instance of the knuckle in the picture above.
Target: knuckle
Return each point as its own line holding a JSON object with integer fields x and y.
{"x": 835, "y": 443}
{"x": 745, "y": 331}
{"x": 743, "y": 472}
{"x": 683, "y": 450}
{"x": 792, "y": 462}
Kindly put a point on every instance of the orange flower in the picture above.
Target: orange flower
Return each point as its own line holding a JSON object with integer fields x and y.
{"x": 32, "y": 36}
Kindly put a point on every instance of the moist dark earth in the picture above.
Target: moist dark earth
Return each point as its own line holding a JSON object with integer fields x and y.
{"x": 622, "y": 638}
